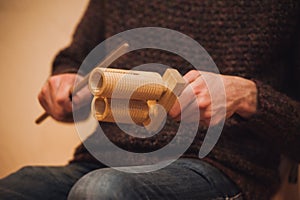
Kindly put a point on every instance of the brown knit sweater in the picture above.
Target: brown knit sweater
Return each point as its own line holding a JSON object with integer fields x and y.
{"x": 258, "y": 40}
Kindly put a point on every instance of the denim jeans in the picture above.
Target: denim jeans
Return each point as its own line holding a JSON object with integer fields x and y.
{"x": 184, "y": 179}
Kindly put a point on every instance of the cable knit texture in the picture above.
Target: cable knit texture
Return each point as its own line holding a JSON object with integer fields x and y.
{"x": 258, "y": 40}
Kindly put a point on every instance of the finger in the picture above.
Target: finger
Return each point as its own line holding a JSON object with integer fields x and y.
{"x": 193, "y": 112}
{"x": 62, "y": 98}
{"x": 59, "y": 108}
{"x": 190, "y": 112}
{"x": 191, "y": 92}
{"x": 188, "y": 95}
{"x": 43, "y": 102}
{"x": 198, "y": 86}
{"x": 191, "y": 76}
{"x": 44, "y": 98}
{"x": 81, "y": 98}
{"x": 53, "y": 85}
{"x": 183, "y": 100}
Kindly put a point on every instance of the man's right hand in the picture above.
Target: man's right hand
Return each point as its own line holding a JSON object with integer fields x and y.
{"x": 55, "y": 96}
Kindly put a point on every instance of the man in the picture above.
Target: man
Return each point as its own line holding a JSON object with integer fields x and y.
{"x": 256, "y": 47}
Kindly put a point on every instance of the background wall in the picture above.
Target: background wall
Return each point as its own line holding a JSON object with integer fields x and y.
{"x": 32, "y": 32}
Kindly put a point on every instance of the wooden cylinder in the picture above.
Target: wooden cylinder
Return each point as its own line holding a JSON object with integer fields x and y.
{"x": 126, "y": 112}
{"x": 126, "y": 84}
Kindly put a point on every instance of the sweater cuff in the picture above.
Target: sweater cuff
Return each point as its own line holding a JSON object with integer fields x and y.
{"x": 64, "y": 70}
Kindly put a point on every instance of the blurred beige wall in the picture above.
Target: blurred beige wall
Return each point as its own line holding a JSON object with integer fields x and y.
{"x": 32, "y": 32}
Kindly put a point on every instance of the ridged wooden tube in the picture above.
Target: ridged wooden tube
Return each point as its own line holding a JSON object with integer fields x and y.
{"x": 126, "y": 84}
{"x": 126, "y": 112}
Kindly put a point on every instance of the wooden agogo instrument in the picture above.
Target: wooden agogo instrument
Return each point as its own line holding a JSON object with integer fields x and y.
{"x": 129, "y": 96}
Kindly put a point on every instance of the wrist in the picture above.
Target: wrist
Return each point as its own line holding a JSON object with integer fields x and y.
{"x": 248, "y": 103}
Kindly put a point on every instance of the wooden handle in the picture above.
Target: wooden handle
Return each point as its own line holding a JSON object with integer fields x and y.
{"x": 115, "y": 54}
{"x": 41, "y": 118}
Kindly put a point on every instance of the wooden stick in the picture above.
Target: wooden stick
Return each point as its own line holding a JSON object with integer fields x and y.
{"x": 115, "y": 54}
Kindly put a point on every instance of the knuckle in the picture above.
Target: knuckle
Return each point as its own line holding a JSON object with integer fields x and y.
{"x": 40, "y": 96}
{"x": 58, "y": 115}
{"x": 172, "y": 114}
{"x": 206, "y": 115}
{"x": 191, "y": 75}
{"x": 194, "y": 71}
{"x": 60, "y": 100}
{"x": 199, "y": 87}
{"x": 62, "y": 115}
{"x": 196, "y": 89}
{"x": 52, "y": 79}
{"x": 44, "y": 90}
{"x": 202, "y": 103}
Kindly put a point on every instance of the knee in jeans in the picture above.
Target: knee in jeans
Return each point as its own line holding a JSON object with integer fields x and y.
{"x": 104, "y": 184}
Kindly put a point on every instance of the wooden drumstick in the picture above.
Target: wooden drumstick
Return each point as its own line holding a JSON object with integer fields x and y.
{"x": 115, "y": 54}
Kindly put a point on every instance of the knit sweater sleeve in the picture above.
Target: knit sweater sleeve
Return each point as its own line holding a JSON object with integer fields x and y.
{"x": 88, "y": 34}
{"x": 278, "y": 113}
{"x": 277, "y": 120}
